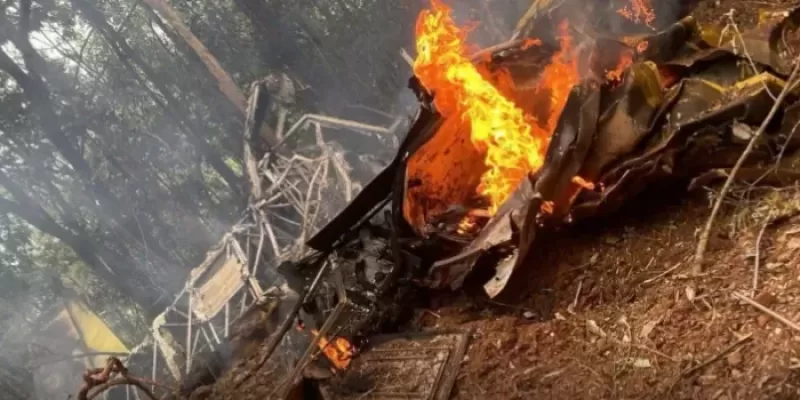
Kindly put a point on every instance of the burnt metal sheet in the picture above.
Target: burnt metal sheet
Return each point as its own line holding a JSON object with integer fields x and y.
{"x": 647, "y": 134}
{"x": 568, "y": 149}
{"x": 375, "y": 191}
{"x": 451, "y": 271}
{"x": 412, "y": 366}
{"x": 700, "y": 126}
{"x": 767, "y": 43}
{"x": 620, "y": 136}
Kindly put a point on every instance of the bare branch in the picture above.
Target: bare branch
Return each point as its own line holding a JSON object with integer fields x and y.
{"x": 702, "y": 244}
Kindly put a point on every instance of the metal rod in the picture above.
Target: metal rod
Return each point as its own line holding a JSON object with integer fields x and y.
{"x": 181, "y": 313}
{"x": 272, "y": 239}
{"x": 315, "y": 282}
{"x": 260, "y": 248}
{"x": 244, "y": 302}
{"x": 227, "y": 318}
{"x": 330, "y": 122}
{"x": 196, "y": 342}
{"x": 155, "y": 363}
{"x": 214, "y": 332}
{"x": 306, "y": 358}
{"x": 176, "y": 324}
{"x": 189, "y": 335}
{"x": 208, "y": 338}
{"x": 406, "y": 57}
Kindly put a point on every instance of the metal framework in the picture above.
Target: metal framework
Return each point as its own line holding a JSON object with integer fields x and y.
{"x": 304, "y": 191}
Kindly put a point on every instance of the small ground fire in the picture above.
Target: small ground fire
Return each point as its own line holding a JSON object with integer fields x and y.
{"x": 338, "y": 351}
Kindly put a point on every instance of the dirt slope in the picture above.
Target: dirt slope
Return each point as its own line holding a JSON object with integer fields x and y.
{"x": 613, "y": 314}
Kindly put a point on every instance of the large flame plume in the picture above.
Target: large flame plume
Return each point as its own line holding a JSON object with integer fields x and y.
{"x": 513, "y": 144}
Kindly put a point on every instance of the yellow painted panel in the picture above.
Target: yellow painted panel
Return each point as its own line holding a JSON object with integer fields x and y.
{"x": 97, "y": 336}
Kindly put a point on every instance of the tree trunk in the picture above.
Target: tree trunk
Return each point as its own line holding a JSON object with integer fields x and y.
{"x": 227, "y": 111}
{"x": 39, "y": 95}
{"x": 226, "y": 84}
{"x": 224, "y": 81}
{"x": 56, "y": 76}
{"x": 181, "y": 113}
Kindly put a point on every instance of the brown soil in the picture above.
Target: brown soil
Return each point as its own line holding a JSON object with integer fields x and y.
{"x": 620, "y": 318}
{"x": 612, "y": 313}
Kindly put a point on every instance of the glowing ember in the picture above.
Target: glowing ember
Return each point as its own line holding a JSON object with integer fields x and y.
{"x": 639, "y": 11}
{"x": 625, "y": 60}
{"x": 582, "y": 183}
{"x": 466, "y": 226}
{"x": 513, "y": 144}
{"x": 528, "y": 43}
{"x": 547, "y": 207}
{"x": 339, "y": 351}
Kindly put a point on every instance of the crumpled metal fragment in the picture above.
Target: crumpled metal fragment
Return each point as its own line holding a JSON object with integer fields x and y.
{"x": 646, "y": 129}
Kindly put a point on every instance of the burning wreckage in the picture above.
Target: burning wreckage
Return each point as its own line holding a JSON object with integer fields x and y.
{"x": 560, "y": 124}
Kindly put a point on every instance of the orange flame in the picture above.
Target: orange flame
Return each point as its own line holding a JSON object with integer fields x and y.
{"x": 625, "y": 60}
{"x": 512, "y": 142}
{"x": 639, "y": 11}
{"x": 339, "y": 351}
{"x": 528, "y": 43}
{"x": 583, "y": 183}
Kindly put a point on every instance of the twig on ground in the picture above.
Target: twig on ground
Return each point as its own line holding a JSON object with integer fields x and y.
{"x": 776, "y": 166}
{"x": 571, "y": 307}
{"x": 697, "y": 267}
{"x": 716, "y": 357}
{"x": 757, "y": 263}
{"x": 767, "y": 311}
{"x": 651, "y": 350}
{"x": 691, "y": 371}
{"x": 663, "y": 274}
